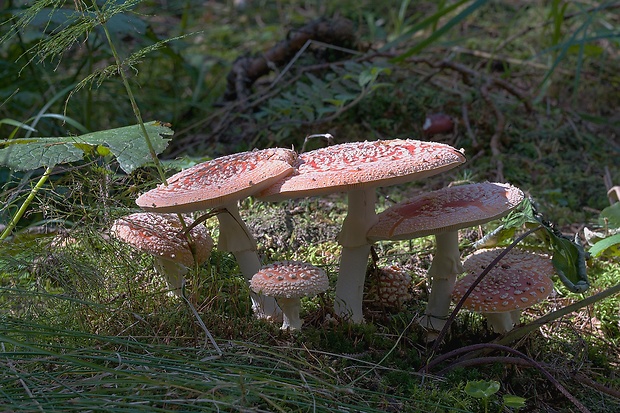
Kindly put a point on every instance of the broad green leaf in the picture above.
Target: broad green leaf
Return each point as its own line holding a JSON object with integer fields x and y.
{"x": 610, "y": 216}
{"x": 610, "y": 243}
{"x": 126, "y": 143}
{"x": 569, "y": 262}
{"x": 481, "y": 389}
{"x": 28, "y": 154}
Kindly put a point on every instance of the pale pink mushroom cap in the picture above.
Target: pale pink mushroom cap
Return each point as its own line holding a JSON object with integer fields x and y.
{"x": 289, "y": 279}
{"x": 520, "y": 280}
{"x": 448, "y": 209}
{"x": 220, "y": 181}
{"x": 357, "y": 165}
{"x": 161, "y": 235}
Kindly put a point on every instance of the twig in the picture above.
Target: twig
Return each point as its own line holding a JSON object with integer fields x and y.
{"x": 470, "y": 132}
{"x": 201, "y": 323}
{"x": 468, "y": 72}
{"x": 499, "y": 130}
{"x": 517, "y": 353}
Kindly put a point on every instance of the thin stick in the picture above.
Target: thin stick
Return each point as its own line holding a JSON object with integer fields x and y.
{"x": 200, "y": 322}
{"x": 517, "y": 353}
{"x": 328, "y": 137}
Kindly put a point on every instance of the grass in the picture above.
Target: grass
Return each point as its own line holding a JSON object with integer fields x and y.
{"x": 85, "y": 323}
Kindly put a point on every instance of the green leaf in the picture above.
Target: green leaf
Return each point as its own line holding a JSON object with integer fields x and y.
{"x": 437, "y": 34}
{"x": 127, "y": 144}
{"x": 481, "y": 389}
{"x": 610, "y": 216}
{"x": 605, "y": 244}
{"x": 514, "y": 402}
{"x": 569, "y": 262}
{"x": 17, "y": 124}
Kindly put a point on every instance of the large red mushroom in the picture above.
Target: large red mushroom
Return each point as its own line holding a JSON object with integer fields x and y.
{"x": 358, "y": 168}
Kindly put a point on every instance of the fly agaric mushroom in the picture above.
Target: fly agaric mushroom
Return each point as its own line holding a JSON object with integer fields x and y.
{"x": 520, "y": 280}
{"x": 221, "y": 183}
{"x": 443, "y": 213}
{"x": 161, "y": 235}
{"x": 358, "y": 168}
{"x": 287, "y": 282}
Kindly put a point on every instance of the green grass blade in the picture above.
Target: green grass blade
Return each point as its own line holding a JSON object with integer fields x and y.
{"x": 437, "y": 34}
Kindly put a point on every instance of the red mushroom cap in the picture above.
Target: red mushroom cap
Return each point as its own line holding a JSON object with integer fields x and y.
{"x": 219, "y": 181}
{"x": 520, "y": 280}
{"x": 161, "y": 235}
{"x": 357, "y": 165}
{"x": 289, "y": 279}
{"x": 447, "y": 209}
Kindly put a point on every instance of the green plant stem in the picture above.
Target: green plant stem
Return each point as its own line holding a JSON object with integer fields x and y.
{"x": 134, "y": 104}
{"x": 15, "y": 219}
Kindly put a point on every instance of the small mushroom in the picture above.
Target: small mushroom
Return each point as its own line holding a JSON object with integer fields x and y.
{"x": 287, "y": 282}
{"x": 220, "y": 184}
{"x": 161, "y": 235}
{"x": 520, "y": 280}
{"x": 443, "y": 213}
{"x": 358, "y": 168}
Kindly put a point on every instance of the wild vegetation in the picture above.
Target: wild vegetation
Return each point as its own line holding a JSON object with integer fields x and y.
{"x": 100, "y": 101}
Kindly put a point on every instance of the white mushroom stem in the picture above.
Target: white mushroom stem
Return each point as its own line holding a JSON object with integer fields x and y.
{"x": 290, "y": 313}
{"x": 445, "y": 267}
{"x": 172, "y": 272}
{"x": 503, "y": 322}
{"x": 361, "y": 216}
{"x": 235, "y": 237}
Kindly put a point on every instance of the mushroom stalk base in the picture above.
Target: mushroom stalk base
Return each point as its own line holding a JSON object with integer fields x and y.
{"x": 445, "y": 267}
{"x": 236, "y": 238}
{"x": 361, "y": 216}
{"x": 173, "y": 273}
{"x": 350, "y": 284}
{"x": 290, "y": 313}
{"x": 502, "y": 322}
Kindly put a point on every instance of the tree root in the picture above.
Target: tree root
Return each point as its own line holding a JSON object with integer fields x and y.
{"x": 246, "y": 70}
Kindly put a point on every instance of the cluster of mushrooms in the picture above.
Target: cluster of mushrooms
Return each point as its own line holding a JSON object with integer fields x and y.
{"x": 356, "y": 168}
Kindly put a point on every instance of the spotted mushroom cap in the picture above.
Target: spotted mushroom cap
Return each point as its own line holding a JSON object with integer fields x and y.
{"x": 520, "y": 280}
{"x": 289, "y": 279}
{"x": 357, "y": 165}
{"x": 161, "y": 235}
{"x": 219, "y": 181}
{"x": 447, "y": 209}
{"x": 393, "y": 286}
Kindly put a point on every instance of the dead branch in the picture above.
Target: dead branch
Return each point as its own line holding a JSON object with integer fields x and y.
{"x": 525, "y": 359}
{"x": 246, "y": 70}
